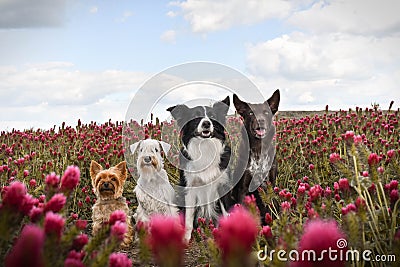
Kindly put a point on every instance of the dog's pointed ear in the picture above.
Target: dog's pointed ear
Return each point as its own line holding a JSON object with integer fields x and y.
{"x": 170, "y": 109}
{"x": 165, "y": 146}
{"x": 122, "y": 168}
{"x": 273, "y": 101}
{"x": 241, "y": 106}
{"x": 95, "y": 168}
{"x": 134, "y": 146}
{"x": 178, "y": 113}
{"x": 223, "y": 106}
{"x": 227, "y": 101}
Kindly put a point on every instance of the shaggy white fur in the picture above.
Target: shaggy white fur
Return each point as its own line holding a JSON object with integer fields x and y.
{"x": 203, "y": 177}
{"x": 154, "y": 193}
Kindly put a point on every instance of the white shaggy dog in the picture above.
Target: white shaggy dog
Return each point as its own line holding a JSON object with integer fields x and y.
{"x": 154, "y": 193}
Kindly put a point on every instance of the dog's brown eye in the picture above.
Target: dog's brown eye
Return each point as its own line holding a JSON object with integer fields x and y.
{"x": 251, "y": 113}
{"x": 113, "y": 179}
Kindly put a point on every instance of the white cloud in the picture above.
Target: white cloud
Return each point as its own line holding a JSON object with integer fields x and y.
{"x": 306, "y": 97}
{"x": 31, "y": 14}
{"x": 350, "y": 16}
{"x": 172, "y": 14}
{"x": 340, "y": 69}
{"x": 48, "y": 65}
{"x": 209, "y": 15}
{"x": 190, "y": 95}
{"x": 168, "y": 36}
{"x": 193, "y": 84}
{"x": 347, "y": 55}
{"x": 300, "y": 56}
{"x": 125, "y": 16}
{"x": 46, "y": 94}
{"x": 315, "y": 95}
{"x": 93, "y": 9}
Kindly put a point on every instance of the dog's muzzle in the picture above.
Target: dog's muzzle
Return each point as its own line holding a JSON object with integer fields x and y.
{"x": 260, "y": 128}
{"x": 107, "y": 187}
{"x": 147, "y": 160}
{"x": 206, "y": 128}
{"x": 260, "y": 132}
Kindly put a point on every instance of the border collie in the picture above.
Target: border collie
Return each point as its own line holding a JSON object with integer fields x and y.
{"x": 203, "y": 160}
{"x": 257, "y": 159}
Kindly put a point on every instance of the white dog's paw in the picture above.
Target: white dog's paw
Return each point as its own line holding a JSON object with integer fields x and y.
{"x": 188, "y": 235}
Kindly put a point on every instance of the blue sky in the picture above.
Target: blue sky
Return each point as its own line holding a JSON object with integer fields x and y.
{"x": 69, "y": 59}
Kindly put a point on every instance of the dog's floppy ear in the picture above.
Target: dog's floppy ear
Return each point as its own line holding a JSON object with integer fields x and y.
{"x": 178, "y": 113}
{"x": 165, "y": 146}
{"x": 223, "y": 106}
{"x": 134, "y": 146}
{"x": 273, "y": 101}
{"x": 95, "y": 168}
{"x": 240, "y": 105}
{"x": 122, "y": 168}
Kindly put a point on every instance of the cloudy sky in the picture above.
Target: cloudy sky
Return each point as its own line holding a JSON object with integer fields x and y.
{"x": 66, "y": 60}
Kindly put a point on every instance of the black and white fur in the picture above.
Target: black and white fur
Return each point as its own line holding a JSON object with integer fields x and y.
{"x": 154, "y": 193}
{"x": 204, "y": 159}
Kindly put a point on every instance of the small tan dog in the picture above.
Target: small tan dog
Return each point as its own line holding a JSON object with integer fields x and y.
{"x": 108, "y": 186}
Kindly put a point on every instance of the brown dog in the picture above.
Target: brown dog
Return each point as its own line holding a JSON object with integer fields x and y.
{"x": 108, "y": 186}
{"x": 257, "y": 162}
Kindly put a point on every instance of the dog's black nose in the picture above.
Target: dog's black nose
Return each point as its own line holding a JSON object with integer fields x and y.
{"x": 206, "y": 124}
{"x": 147, "y": 159}
{"x": 105, "y": 185}
{"x": 261, "y": 123}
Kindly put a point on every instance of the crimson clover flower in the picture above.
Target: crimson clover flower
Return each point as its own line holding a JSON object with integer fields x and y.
{"x": 236, "y": 235}
{"x": 119, "y": 260}
{"x": 118, "y": 230}
{"x": 117, "y": 215}
{"x": 70, "y": 179}
{"x": 54, "y": 224}
{"x": 166, "y": 240}
{"x": 27, "y": 250}
{"x": 56, "y": 203}
{"x": 319, "y": 236}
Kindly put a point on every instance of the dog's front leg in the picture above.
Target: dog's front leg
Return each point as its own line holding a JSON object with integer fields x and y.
{"x": 189, "y": 217}
{"x": 173, "y": 211}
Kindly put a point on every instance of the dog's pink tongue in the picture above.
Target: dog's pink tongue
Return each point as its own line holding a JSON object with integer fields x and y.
{"x": 260, "y": 132}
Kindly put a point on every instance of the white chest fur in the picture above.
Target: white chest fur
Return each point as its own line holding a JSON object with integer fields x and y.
{"x": 155, "y": 195}
{"x": 204, "y": 176}
{"x": 203, "y": 167}
{"x": 259, "y": 169}
{"x": 259, "y": 166}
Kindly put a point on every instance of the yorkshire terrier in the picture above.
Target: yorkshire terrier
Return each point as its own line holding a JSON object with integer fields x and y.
{"x": 108, "y": 186}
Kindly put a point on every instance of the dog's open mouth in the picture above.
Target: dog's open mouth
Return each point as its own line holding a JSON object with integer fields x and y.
{"x": 107, "y": 188}
{"x": 205, "y": 134}
{"x": 260, "y": 132}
